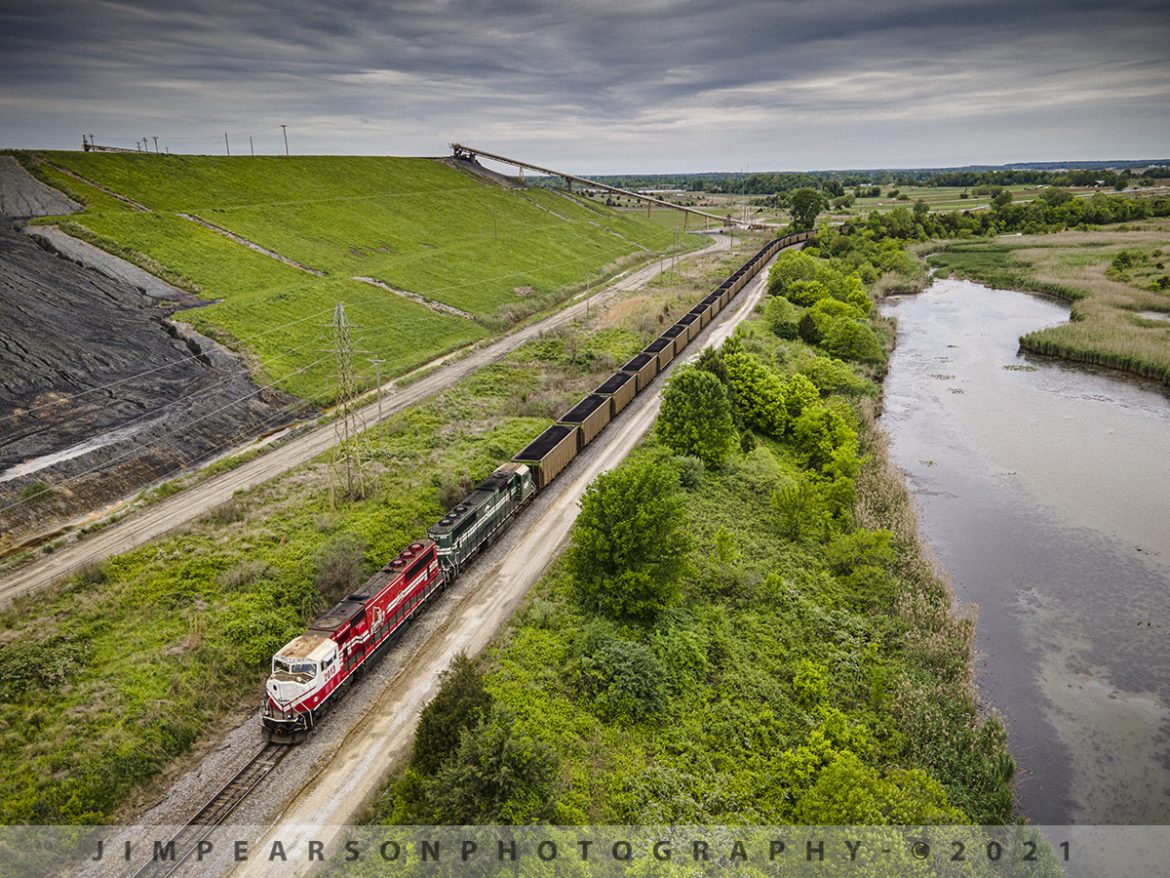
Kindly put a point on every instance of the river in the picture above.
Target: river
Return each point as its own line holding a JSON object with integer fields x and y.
{"x": 1044, "y": 491}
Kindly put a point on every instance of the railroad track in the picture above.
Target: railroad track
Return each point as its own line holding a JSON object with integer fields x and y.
{"x": 215, "y": 812}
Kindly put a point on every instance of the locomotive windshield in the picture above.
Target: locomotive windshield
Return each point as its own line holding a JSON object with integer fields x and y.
{"x": 293, "y": 666}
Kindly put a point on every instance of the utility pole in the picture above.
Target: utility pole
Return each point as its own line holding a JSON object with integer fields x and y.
{"x": 674, "y": 253}
{"x": 156, "y": 145}
{"x": 251, "y": 146}
{"x": 348, "y": 429}
{"x": 284, "y": 130}
{"x": 227, "y": 145}
{"x": 378, "y": 361}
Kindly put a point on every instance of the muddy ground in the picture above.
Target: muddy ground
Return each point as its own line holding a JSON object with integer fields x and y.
{"x": 101, "y": 392}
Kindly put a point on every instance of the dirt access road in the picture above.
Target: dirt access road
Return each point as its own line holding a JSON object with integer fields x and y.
{"x": 175, "y": 511}
{"x": 342, "y": 782}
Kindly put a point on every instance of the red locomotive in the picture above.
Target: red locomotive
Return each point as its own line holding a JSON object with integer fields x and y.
{"x": 311, "y": 672}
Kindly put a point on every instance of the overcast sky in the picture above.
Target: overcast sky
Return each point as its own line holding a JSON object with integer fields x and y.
{"x": 599, "y": 86}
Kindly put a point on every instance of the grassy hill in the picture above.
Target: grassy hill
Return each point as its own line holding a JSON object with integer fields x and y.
{"x": 475, "y": 257}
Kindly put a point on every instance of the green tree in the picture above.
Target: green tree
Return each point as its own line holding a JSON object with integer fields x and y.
{"x": 799, "y": 394}
{"x": 804, "y": 205}
{"x": 782, "y": 317}
{"x": 630, "y": 541}
{"x": 823, "y": 315}
{"x": 853, "y": 340}
{"x": 758, "y": 393}
{"x": 695, "y": 419}
{"x": 807, "y": 292}
{"x": 461, "y": 703}
{"x": 499, "y": 775}
{"x": 791, "y": 266}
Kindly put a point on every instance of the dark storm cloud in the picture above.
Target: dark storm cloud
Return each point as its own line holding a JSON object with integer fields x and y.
{"x": 601, "y": 85}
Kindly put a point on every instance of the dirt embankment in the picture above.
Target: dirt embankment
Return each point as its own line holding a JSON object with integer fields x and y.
{"x": 100, "y": 392}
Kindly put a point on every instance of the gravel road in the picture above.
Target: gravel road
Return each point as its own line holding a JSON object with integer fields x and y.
{"x": 190, "y": 504}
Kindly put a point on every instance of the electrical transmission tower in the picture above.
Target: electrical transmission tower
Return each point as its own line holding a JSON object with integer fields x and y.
{"x": 348, "y": 429}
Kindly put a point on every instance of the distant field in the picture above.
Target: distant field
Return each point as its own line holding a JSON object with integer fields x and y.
{"x": 948, "y": 198}
{"x": 937, "y": 198}
{"x": 1117, "y": 279}
{"x": 415, "y": 225}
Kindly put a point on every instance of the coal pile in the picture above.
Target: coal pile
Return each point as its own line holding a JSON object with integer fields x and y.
{"x": 101, "y": 393}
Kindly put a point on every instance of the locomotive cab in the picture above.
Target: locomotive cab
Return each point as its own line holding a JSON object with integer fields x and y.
{"x": 301, "y": 672}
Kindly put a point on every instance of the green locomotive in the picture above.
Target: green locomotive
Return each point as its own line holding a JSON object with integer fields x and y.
{"x": 474, "y": 522}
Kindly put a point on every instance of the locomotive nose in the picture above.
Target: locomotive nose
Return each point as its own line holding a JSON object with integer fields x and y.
{"x": 284, "y": 691}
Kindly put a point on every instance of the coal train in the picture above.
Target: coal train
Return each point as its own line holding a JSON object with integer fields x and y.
{"x": 310, "y": 673}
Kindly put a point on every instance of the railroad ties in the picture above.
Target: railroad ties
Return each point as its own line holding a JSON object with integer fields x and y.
{"x": 216, "y": 811}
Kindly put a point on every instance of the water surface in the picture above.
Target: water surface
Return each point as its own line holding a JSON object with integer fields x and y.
{"x": 1044, "y": 490}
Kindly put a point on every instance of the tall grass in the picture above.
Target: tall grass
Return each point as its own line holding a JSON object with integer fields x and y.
{"x": 1105, "y": 327}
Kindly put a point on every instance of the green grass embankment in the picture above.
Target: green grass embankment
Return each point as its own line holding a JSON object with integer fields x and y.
{"x": 1110, "y": 276}
{"x": 415, "y": 225}
{"x": 120, "y": 671}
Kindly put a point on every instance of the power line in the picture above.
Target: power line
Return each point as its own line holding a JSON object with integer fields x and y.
{"x": 349, "y": 444}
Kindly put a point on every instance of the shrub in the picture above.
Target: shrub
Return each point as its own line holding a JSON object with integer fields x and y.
{"x": 782, "y": 317}
{"x": 36, "y": 492}
{"x": 801, "y": 509}
{"x": 630, "y": 542}
{"x": 690, "y": 472}
{"x": 92, "y": 573}
{"x": 811, "y": 683}
{"x": 853, "y": 340}
{"x": 819, "y": 433}
{"x": 695, "y": 418}
{"x": 340, "y": 567}
{"x": 831, "y": 375}
{"x": 244, "y": 573}
{"x": 622, "y": 677}
{"x": 849, "y": 792}
{"x": 462, "y": 703}
{"x": 227, "y": 513}
{"x": 37, "y": 665}
{"x": 862, "y": 547}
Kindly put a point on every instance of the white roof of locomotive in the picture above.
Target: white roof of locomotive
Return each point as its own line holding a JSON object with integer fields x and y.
{"x": 313, "y": 647}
